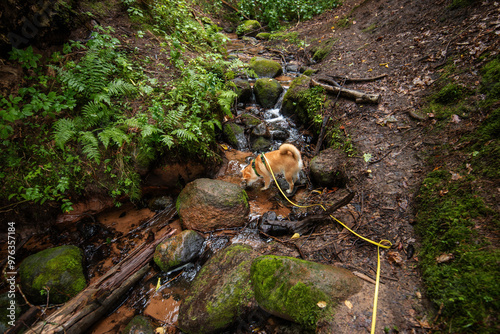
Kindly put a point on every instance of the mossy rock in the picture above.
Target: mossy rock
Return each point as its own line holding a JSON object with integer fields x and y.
{"x": 178, "y": 250}
{"x": 243, "y": 90}
{"x": 250, "y": 121}
{"x": 263, "y": 36}
{"x": 265, "y": 68}
{"x": 235, "y": 135}
{"x": 291, "y": 288}
{"x": 139, "y": 325}
{"x": 267, "y": 92}
{"x": 221, "y": 293}
{"x": 59, "y": 268}
{"x": 328, "y": 168}
{"x": 261, "y": 144}
{"x": 294, "y": 102}
{"x": 206, "y": 205}
{"x": 248, "y": 27}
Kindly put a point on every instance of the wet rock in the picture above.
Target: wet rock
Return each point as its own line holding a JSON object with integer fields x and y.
{"x": 178, "y": 250}
{"x": 206, "y": 204}
{"x": 328, "y": 168}
{"x": 294, "y": 101}
{"x": 292, "y": 67}
{"x": 243, "y": 89}
{"x": 59, "y": 268}
{"x": 261, "y": 144}
{"x": 248, "y": 27}
{"x": 235, "y": 135}
{"x": 221, "y": 293}
{"x": 249, "y": 120}
{"x": 9, "y": 310}
{"x": 300, "y": 291}
{"x": 265, "y": 68}
{"x": 160, "y": 203}
{"x": 139, "y": 325}
{"x": 267, "y": 92}
{"x": 261, "y": 130}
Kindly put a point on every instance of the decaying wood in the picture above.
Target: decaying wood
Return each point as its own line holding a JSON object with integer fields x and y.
{"x": 347, "y": 79}
{"x": 78, "y": 314}
{"x": 358, "y": 96}
{"x": 305, "y": 225}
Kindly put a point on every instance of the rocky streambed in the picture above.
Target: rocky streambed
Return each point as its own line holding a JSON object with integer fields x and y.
{"x": 231, "y": 265}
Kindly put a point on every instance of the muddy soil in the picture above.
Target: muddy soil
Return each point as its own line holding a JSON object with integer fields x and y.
{"x": 407, "y": 41}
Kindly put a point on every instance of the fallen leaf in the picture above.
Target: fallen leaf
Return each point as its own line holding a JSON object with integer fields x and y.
{"x": 394, "y": 257}
{"x": 348, "y": 304}
{"x": 455, "y": 176}
{"x": 295, "y": 236}
{"x": 160, "y": 330}
{"x": 321, "y": 304}
{"x": 158, "y": 285}
{"x": 446, "y": 257}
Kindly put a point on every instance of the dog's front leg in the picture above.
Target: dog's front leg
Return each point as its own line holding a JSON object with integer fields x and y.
{"x": 267, "y": 182}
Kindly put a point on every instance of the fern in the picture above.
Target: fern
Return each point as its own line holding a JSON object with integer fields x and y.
{"x": 226, "y": 99}
{"x": 113, "y": 134}
{"x": 167, "y": 140}
{"x": 119, "y": 87}
{"x": 185, "y": 135}
{"x": 90, "y": 145}
{"x": 65, "y": 129}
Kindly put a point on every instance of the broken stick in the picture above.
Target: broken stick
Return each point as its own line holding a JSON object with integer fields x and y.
{"x": 358, "y": 96}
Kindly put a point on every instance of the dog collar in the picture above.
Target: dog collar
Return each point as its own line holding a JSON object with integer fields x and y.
{"x": 263, "y": 161}
{"x": 255, "y": 169}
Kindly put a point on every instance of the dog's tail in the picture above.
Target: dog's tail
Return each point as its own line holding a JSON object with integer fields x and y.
{"x": 285, "y": 148}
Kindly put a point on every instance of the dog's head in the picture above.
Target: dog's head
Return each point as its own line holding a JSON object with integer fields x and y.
{"x": 248, "y": 176}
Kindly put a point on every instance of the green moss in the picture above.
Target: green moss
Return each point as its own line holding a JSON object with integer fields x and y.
{"x": 57, "y": 268}
{"x": 265, "y": 67}
{"x": 274, "y": 290}
{"x": 467, "y": 287}
{"x": 490, "y": 83}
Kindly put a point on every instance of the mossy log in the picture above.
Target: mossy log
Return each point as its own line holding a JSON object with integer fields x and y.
{"x": 358, "y": 96}
{"x": 86, "y": 308}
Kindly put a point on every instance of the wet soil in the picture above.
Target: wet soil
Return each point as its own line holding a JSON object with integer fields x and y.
{"x": 407, "y": 41}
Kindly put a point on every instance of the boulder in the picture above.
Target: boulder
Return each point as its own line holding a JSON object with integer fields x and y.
{"x": 221, "y": 293}
{"x": 59, "y": 269}
{"x": 328, "y": 168}
{"x": 139, "y": 325}
{"x": 294, "y": 102}
{"x": 178, "y": 250}
{"x": 249, "y": 120}
{"x": 243, "y": 90}
{"x": 265, "y": 68}
{"x": 235, "y": 135}
{"x": 267, "y": 92}
{"x": 206, "y": 205}
{"x": 263, "y": 36}
{"x": 300, "y": 291}
{"x": 248, "y": 27}
{"x": 261, "y": 144}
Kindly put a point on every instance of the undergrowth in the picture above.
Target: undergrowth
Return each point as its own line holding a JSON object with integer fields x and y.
{"x": 460, "y": 256}
{"x": 89, "y": 119}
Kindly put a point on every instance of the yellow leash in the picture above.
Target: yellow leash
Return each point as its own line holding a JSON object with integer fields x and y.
{"x": 378, "y": 244}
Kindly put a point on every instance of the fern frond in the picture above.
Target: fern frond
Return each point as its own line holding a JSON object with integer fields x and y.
{"x": 120, "y": 87}
{"x": 90, "y": 145}
{"x": 226, "y": 99}
{"x": 184, "y": 134}
{"x": 167, "y": 140}
{"x": 113, "y": 134}
{"x": 65, "y": 129}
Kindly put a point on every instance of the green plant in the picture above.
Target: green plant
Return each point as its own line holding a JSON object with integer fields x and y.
{"x": 273, "y": 13}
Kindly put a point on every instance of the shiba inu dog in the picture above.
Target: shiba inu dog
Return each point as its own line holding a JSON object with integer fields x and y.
{"x": 286, "y": 160}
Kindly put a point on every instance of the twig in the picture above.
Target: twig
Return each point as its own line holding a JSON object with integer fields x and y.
{"x": 346, "y": 79}
{"x": 235, "y": 9}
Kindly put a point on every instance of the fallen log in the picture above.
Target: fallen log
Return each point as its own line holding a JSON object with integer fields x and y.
{"x": 358, "y": 96}
{"x": 86, "y": 308}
